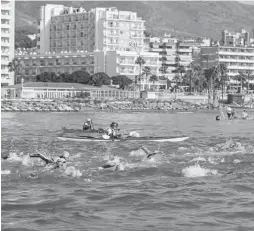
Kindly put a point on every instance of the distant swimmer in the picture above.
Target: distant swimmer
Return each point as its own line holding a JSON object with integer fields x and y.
{"x": 114, "y": 163}
{"x": 57, "y": 162}
{"x": 229, "y": 112}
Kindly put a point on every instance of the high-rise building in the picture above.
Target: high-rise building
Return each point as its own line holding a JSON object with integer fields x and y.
{"x": 62, "y": 29}
{"x": 7, "y": 40}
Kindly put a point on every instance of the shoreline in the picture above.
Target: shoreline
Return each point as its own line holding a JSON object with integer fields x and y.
{"x": 108, "y": 106}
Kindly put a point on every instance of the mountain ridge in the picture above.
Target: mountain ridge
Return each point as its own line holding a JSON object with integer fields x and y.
{"x": 180, "y": 18}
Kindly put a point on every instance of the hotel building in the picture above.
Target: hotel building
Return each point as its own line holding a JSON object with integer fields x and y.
{"x": 62, "y": 29}
{"x": 7, "y": 40}
{"x": 237, "y": 59}
{"x": 99, "y": 40}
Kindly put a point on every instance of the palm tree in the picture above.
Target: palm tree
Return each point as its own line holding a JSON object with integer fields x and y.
{"x": 210, "y": 77}
{"x": 181, "y": 70}
{"x": 15, "y": 66}
{"x": 221, "y": 76}
{"x": 153, "y": 78}
{"x": 241, "y": 77}
{"x": 249, "y": 77}
{"x": 140, "y": 61}
{"x": 146, "y": 72}
{"x": 193, "y": 73}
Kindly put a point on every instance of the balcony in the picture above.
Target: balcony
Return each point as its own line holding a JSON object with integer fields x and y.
{"x": 5, "y": 71}
{"x": 5, "y": 44}
{"x": 137, "y": 36}
{"x": 229, "y": 60}
{"x": 129, "y": 63}
{"x": 184, "y": 50}
{"x": 6, "y": 25}
{"x": 5, "y": 16}
{"x": 5, "y": 6}
{"x": 236, "y": 53}
{"x": 5, "y": 62}
{"x": 241, "y": 67}
{"x": 5, "y": 35}
{"x": 138, "y": 28}
{"x": 112, "y": 35}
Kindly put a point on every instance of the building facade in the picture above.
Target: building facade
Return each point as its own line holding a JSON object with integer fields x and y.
{"x": 174, "y": 53}
{"x": 231, "y": 38}
{"x": 237, "y": 59}
{"x": 111, "y": 62}
{"x": 7, "y": 40}
{"x": 68, "y": 29}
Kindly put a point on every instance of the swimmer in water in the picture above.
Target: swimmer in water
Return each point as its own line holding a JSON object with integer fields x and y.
{"x": 149, "y": 153}
{"x": 113, "y": 164}
{"x": 57, "y": 162}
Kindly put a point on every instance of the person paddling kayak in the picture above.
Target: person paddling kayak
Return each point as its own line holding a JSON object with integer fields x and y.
{"x": 113, "y": 131}
{"x": 88, "y": 125}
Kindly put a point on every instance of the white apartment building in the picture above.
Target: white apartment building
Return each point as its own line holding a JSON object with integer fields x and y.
{"x": 68, "y": 62}
{"x": 111, "y": 62}
{"x": 7, "y": 40}
{"x": 237, "y": 59}
{"x": 174, "y": 53}
{"x": 62, "y": 29}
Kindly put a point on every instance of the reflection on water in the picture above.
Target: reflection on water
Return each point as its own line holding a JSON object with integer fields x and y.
{"x": 205, "y": 183}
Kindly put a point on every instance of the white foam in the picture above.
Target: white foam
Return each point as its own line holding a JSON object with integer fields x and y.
{"x": 5, "y": 172}
{"x": 137, "y": 153}
{"x": 236, "y": 161}
{"x": 197, "y": 171}
{"x": 198, "y": 159}
{"x": 71, "y": 171}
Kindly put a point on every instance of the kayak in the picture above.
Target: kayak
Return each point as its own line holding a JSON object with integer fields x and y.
{"x": 145, "y": 138}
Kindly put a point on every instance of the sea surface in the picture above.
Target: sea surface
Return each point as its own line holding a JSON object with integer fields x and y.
{"x": 203, "y": 183}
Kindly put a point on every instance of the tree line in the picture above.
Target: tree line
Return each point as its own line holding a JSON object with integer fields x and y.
{"x": 194, "y": 77}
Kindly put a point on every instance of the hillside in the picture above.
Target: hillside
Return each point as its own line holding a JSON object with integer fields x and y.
{"x": 193, "y": 18}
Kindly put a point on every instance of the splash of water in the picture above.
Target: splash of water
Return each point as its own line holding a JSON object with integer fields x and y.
{"x": 197, "y": 171}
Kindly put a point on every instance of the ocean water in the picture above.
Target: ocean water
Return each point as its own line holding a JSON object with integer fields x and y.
{"x": 203, "y": 183}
